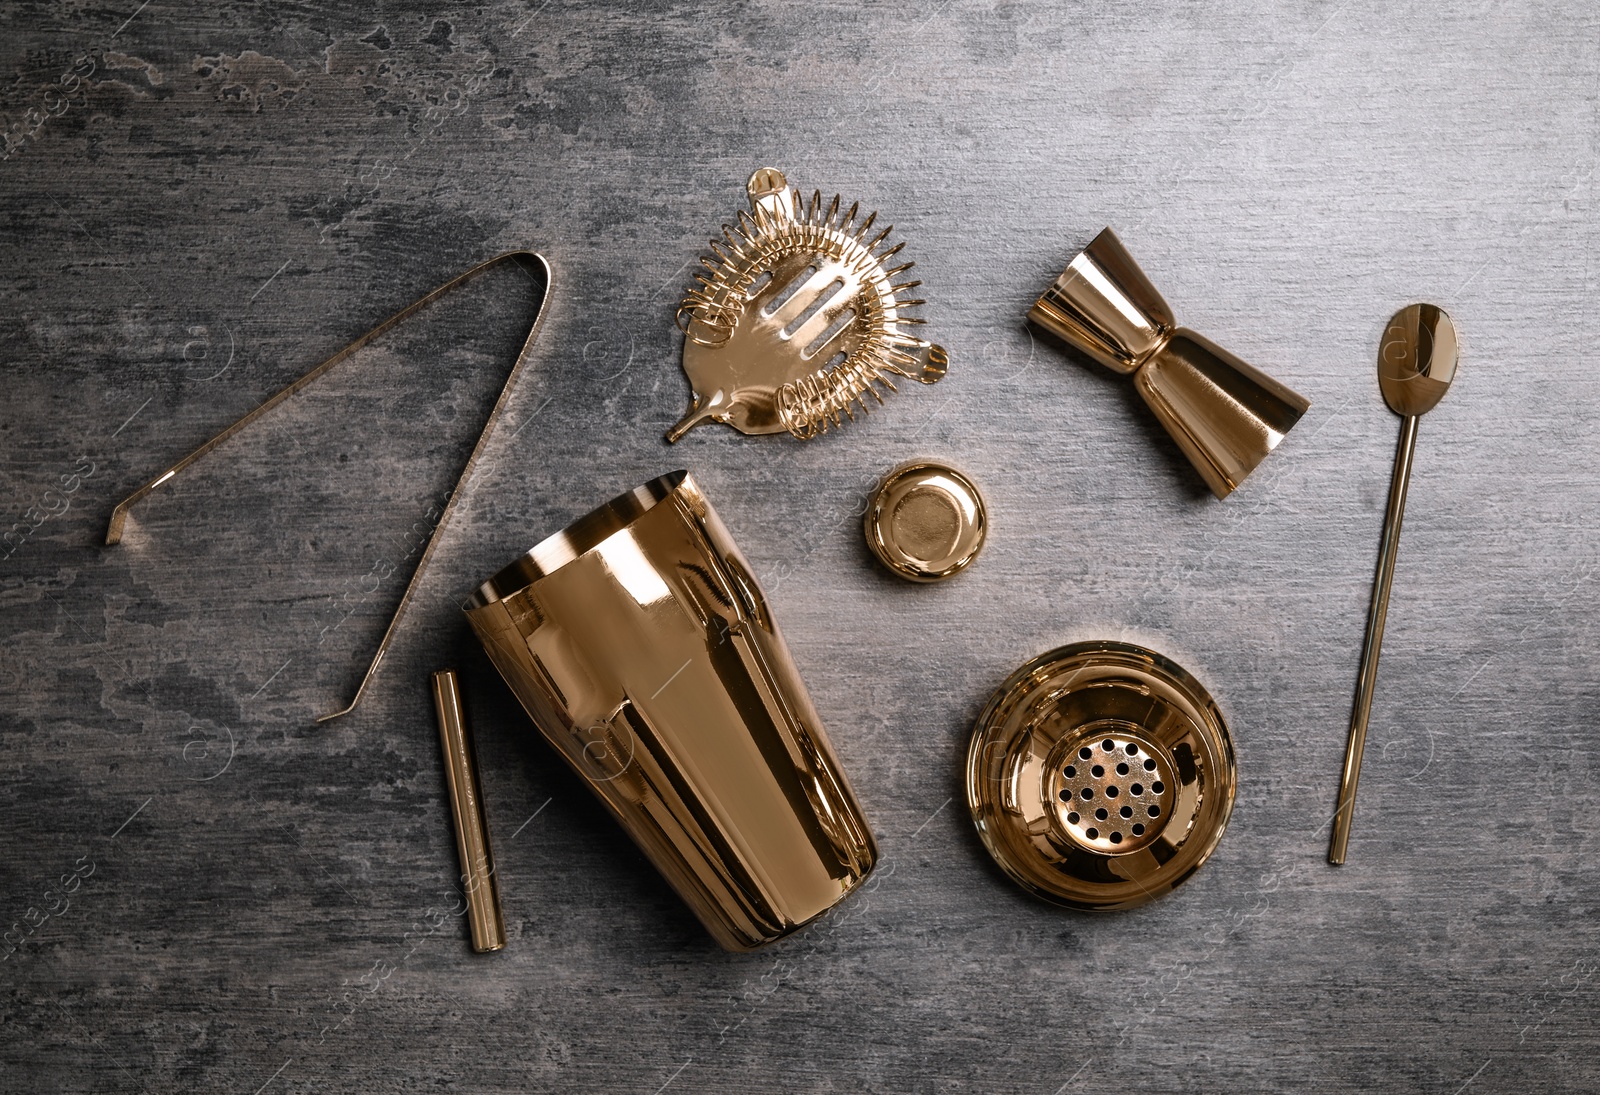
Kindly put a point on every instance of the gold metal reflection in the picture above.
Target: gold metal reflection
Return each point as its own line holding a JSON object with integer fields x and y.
{"x": 1100, "y": 775}
{"x": 797, "y": 320}
{"x": 1416, "y": 363}
{"x": 1225, "y": 415}
{"x": 471, "y": 825}
{"x": 685, "y": 714}
{"x": 926, "y": 521}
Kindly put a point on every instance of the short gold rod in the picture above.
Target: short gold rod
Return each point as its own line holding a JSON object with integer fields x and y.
{"x": 1388, "y": 550}
{"x": 466, "y": 811}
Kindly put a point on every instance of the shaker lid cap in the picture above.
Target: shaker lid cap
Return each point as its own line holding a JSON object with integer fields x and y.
{"x": 926, "y": 521}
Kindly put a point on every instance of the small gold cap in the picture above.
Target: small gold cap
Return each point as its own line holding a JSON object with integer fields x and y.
{"x": 926, "y": 521}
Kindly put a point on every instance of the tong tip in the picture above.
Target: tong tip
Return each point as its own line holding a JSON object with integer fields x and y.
{"x": 119, "y": 517}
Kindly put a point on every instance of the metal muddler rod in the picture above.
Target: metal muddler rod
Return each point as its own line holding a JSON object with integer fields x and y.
{"x": 466, "y": 810}
{"x": 1372, "y": 646}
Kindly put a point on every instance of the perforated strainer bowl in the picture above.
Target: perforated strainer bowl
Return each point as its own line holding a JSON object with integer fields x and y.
{"x": 1100, "y": 775}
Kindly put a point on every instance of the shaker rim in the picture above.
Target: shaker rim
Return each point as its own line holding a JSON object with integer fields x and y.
{"x": 581, "y": 536}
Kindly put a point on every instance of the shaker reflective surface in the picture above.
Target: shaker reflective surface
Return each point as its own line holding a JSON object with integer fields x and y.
{"x": 640, "y": 644}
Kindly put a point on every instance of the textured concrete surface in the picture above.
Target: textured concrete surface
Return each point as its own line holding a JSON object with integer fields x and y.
{"x": 204, "y": 891}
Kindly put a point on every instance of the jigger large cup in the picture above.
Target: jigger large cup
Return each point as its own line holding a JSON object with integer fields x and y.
{"x": 642, "y": 647}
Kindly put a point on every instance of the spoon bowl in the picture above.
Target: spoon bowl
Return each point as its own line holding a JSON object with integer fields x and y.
{"x": 1417, "y": 360}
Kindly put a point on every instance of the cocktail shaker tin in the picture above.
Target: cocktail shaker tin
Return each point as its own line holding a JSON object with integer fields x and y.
{"x": 643, "y": 649}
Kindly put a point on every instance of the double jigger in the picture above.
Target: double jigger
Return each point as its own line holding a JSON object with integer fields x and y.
{"x": 1225, "y": 415}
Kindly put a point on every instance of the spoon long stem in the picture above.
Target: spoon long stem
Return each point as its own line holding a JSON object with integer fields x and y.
{"x": 1387, "y": 551}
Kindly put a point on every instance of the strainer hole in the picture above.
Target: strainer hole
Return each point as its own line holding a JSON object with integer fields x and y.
{"x": 1085, "y": 753}
{"x": 1101, "y": 814}
{"x": 1136, "y": 789}
{"x": 1072, "y": 818}
{"x": 1132, "y": 749}
{"x": 1069, "y": 771}
{"x": 1158, "y": 787}
{"x": 1149, "y": 764}
{"x": 1097, "y": 771}
{"x": 1111, "y": 792}
{"x": 1138, "y": 830}
{"x": 1126, "y": 811}
{"x": 1116, "y": 838}
{"x": 1122, "y": 769}
{"x": 1092, "y": 833}
{"x": 1087, "y": 792}
{"x": 1108, "y": 745}
{"x": 1155, "y": 811}
{"x": 1066, "y": 795}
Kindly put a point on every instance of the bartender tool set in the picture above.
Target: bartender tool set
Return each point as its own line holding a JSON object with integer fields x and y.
{"x": 638, "y": 640}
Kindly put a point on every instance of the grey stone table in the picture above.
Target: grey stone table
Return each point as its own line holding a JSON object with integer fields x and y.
{"x": 203, "y": 891}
